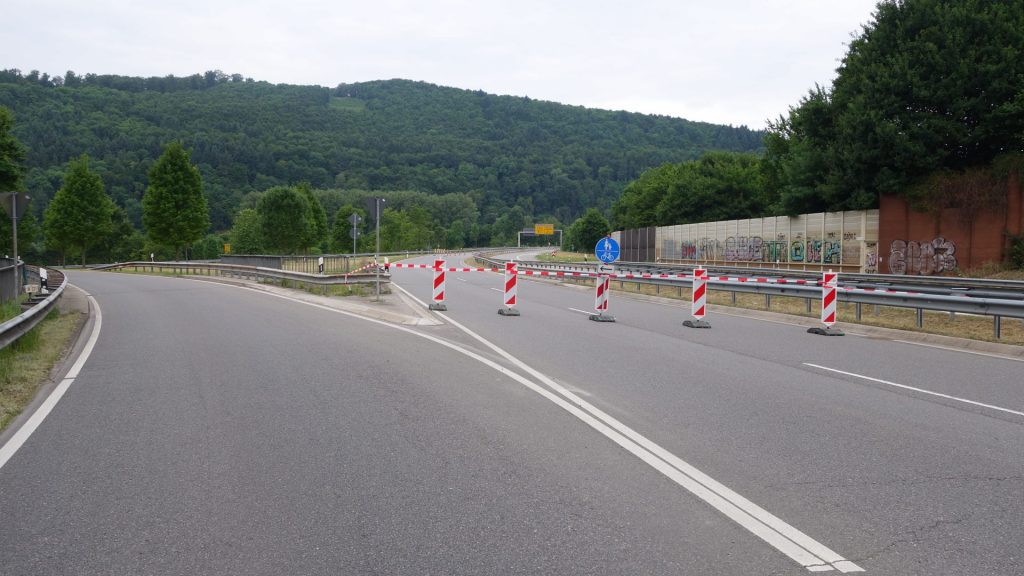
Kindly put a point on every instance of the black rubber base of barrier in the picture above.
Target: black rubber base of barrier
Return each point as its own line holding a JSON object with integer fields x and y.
{"x": 829, "y": 331}
{"x": 508, "y": 311}
{"x": 602, "y": 318}
{"x": 440, "y": 307}
{"x": 696, "y": 324}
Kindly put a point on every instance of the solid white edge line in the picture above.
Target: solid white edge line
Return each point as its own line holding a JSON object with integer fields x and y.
{"x": 951, "y": 349}
{"x": 803, "y": 549}
{"x": 22, "y": 435}
{"x": 583, "y": 312}
{"x": 921, "y": 390}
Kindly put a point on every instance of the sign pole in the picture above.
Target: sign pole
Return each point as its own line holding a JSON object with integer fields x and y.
{"x": 700, "y": 281}
{"x": 829, "y": 300}
{"x": 607, "y": 251}
{"x": 509, "y": 300}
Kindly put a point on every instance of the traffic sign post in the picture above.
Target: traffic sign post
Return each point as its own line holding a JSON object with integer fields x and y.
{"x": 438, "y": 293}
{"x": 700, "y": 284}
{"x": 511, "y": 276}
{"x": 601, "y": 290}
{"x": 607, "y": 250}
{"x": 829, "y": 289}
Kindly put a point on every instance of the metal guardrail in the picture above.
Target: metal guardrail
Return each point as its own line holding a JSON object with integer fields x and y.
{"x": 256, "y": 273}
{"x": 949, "y": 285}
{"x": 22, "y": 324}
{"x": 961, "y": 296}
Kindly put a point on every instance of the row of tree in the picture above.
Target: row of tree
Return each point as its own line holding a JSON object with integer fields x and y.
{"x": 928, "y": 105}
{"x": 551, "y": 160}
{"x": 82, "y": 221}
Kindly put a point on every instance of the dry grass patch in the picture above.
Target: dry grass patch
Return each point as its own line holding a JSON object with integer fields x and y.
{"x": 26, "y": 364}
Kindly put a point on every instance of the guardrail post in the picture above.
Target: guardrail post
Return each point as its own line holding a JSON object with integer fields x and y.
{"x": 997, "y": 326}
{"x": 920, "y": 318}
{"x": 857, "y": 307}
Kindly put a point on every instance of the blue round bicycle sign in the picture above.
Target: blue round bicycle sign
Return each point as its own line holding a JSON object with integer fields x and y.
{"x": 607, "y": 250}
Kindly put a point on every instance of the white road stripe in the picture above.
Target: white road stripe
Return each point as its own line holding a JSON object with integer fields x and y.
{"x": 800, "y": 547}
{"x": 22, "y": 435}
{"x": 951, "y": 349}
{"x": 583, "y": 311}
{"x": 809, "y": 553}
{"x": 921, "y": 390}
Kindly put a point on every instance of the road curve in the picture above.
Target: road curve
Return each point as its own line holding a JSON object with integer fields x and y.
{"x": 219, "y": 430}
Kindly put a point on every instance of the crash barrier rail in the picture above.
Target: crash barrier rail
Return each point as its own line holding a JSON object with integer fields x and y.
{"x": 333, "y": 263}
{"x": 9, "y": 271}
{"x": 948, "y": 285}
{"x": 256, "y": 273}
{"x": 960, "y": 297}
{"x": 41, "y": 304}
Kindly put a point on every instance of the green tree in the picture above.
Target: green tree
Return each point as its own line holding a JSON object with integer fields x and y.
{"x": 174, "y": 210}
{"x": 317, "y": 217}
{"x": 79, "y": 216}
{"x": 284, "y": 220}
{"x": 124, "y": 243}
{"x": 341, "y": 233}
{"x": 929, "y": 86}
{"x": 584, "y": 233}
{"x": 247, "y": 234}
{"x": 12, "y": 154}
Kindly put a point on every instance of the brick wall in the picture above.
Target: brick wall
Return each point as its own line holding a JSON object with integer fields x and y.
{"x": 922, "y": 243}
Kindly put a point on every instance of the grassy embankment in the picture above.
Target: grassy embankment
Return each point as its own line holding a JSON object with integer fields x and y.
{"x": 25, "y": 365}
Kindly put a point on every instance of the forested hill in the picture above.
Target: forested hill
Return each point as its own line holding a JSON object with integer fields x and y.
{"x": 548, "y": 158}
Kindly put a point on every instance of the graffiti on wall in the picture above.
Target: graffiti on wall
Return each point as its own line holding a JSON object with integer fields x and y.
{"x": 757, "y": 249}
{"x": 871, "y": 258}
{"x": 922, "y": 258}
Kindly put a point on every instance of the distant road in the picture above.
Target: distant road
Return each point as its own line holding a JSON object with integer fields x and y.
{"x": 218, "y": 430}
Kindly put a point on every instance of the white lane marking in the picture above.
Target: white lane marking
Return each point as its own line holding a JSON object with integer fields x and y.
{"x": 950, "y": 349}
{"x": 921, "y": 390}
{"x": 22, "y": 435}
{"x": 785, "y": 538}
{"x": 583, "y": 311}
{"x": 460, "y": 279}
{"x": 496, "y": 289}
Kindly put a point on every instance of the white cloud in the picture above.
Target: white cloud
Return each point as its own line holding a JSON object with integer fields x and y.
{"x": 731, "y": 62}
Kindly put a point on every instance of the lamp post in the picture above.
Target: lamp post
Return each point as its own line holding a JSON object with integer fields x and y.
{"x": 15, "y": 204}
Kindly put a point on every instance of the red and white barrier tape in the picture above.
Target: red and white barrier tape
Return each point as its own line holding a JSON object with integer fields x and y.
{"x": 734, "y": 279}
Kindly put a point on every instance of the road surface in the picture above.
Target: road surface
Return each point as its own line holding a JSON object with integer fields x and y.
{"x": 219, "y": 430}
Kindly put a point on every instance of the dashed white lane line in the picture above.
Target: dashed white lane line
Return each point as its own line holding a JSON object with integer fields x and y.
{"x": 915, "y": 389}
{"x": 22, "y": 435}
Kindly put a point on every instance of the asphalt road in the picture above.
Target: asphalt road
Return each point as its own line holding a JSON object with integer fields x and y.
{"x": 218, "y": 430}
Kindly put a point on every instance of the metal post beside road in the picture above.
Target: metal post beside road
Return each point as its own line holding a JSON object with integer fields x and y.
{"x": 509, "y": 300}
{"x": 437, "y": 294}
{"x": 829, "y": 301}
{"x": 700, "y": 285}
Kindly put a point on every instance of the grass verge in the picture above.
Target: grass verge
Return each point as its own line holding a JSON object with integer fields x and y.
{"x": 25, "y": 365}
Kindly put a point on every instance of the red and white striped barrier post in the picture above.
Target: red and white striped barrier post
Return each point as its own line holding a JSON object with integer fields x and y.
{"x": 511, "y": 277}
{"x": 438, "y": 293}
{"x": 700, "y": 298}
{"x": 601, "y": 290}
{"x": 829, "y": 289}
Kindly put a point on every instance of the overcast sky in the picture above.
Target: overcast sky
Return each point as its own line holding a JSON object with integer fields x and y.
{"x": 726, "y": 61}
